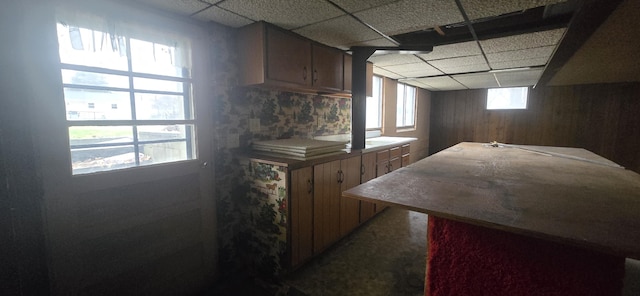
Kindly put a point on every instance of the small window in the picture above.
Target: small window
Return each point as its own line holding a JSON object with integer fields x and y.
{"x": 406, "y": 108}
{"x": 374, "y": 106}
{"x": 507, "y": 98}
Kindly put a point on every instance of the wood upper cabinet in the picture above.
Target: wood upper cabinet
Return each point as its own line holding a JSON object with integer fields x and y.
{"x": 273, "y": 57}
{"x": 328, "y": 64}
{"x": 349, "y": 207}
{"x": 348, "y": 78}
{"x": 301, "y": 205}
{"x": 288, "y": 57}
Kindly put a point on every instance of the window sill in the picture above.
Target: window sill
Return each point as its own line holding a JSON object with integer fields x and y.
{"x": 405, "y": 129}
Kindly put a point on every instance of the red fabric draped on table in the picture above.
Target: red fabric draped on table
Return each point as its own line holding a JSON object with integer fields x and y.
{"x": 465, "y": 259}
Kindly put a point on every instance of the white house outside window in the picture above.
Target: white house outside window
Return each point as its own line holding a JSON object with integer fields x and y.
{"x": 127, "y": 94}
{"x": 374, "y": 106}
{"x": 406, "y": 107}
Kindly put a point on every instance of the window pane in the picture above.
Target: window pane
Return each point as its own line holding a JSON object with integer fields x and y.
{"x": 410, "y": 104}
{"x": 94, "y": 79}
{"x": 507, "y": 98}
{"x": 155, "y": 107}
{"x": 92, "y": 135}
{"x": 80, "y": 46}
{"x": 157, "y": 85}
{"x": 400, "y": 105}
{"x": 155, "y": 58}
{"x": 101, "y": 148}
{"x": 374, "y": 105}
{"x": 87, "y": 104}
{"x": 177, "y": 145}
{"x": 89, "y": 160}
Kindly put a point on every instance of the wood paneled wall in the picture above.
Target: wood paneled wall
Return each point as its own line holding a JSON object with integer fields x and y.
{"x": 602, "y": 118}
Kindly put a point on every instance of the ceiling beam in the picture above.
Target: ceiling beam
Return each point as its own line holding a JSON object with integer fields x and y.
{"x": 586, "y": 20}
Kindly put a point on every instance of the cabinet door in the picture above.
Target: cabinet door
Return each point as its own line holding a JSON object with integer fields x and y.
{"x": 327, "y": 68}
{"x": 326, "y": 205}
{"x": 347, "y": 73}
{"x": 367, "y": 209}
{"x": 301, "y": 217}
{"x": 349, "y": 207}
{"x": 288, "y": 57}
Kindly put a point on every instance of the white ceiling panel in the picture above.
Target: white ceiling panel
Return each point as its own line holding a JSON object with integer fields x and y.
{"x": 184, "y": 7}
{"x": 523, "y": 41}
{"x": 441, "y": 83}
{"x": 288, "y": 14}
{"x": 385, "y": 73}
{"x": 519, "y": 78}
{"x": 222, "y": 16}
{"x": 338, "y": 32}
{"x": 413, "y": 67}
{"x": 465, "y": 69}
{"x": 421, "y": 73}
{"x": 411, "y": 15}
{"x": 359, "y": 5}
{"x": 519, "y": 63}
{"x": 476, "y": 9}
{"x": 458, "y": 62}
{"x": 453, "y": 50}
{"x": 384, "y": 60}
{"x": 417, "y": 84}
{"x": 479, "y": 80}
{"x": 523, "y": 54}
{"x": 374, "y": 42}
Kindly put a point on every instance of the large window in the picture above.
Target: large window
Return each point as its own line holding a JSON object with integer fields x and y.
{"x": 374, "y": 106}
{"x": 406, "y": 108}
{"x": 127, "y": 95}
{"x": 507, "y": 98}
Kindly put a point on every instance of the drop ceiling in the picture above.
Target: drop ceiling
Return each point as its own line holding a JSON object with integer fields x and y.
{"x": 476, "y": 43}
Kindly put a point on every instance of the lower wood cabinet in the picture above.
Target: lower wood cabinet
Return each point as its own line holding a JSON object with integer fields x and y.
{"x": 301, "y": 220}
{"x": 367, "y": 172}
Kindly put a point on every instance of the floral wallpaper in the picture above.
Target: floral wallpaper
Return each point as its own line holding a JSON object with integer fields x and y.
{"x": 251, "y": 198}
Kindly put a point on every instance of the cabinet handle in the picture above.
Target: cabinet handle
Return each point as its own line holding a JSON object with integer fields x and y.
{"x": 340, "y": 176}
{"x": 315, "y": 76}
{"x": 309, "y": 186}
{"x": 304, "y": 73}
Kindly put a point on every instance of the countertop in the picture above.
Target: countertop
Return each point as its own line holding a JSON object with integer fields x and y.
{"x": 567, "y": 195}
{"x": 371, "y": 145}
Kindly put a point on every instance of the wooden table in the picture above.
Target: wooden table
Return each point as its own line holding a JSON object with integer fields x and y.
{"x": 569, "y": 202}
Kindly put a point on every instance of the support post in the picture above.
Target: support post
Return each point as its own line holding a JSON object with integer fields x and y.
{"x": 359, "y": 95}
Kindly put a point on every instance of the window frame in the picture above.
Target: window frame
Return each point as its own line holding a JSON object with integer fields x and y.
{"x": 189, "y": 121}
{"x": 403, "y": 106}
{"x": 379, "y": 102}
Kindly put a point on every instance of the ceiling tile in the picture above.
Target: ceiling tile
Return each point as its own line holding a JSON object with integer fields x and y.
{"x": 183, "y": 7}
{"x": 373, "y": 42}
{"x": 465, "y": 69}
{"x": 338, "y": 32}
{"x": 411, "y": 15}
{"x": 523, "y": 41}
{"x": 514, "y": 55}
{"x": 417, "y": 84}
{"x": 393, "y": 59}
{"x": 519, "y": 78}
{"x": 222, "y": 16}
{"x": 458, "y": 62}
{"x": 453, "y": 50}
{"x": 385, "y": 73}
{"x": 480, "y": 80}
{"x": 413, "y": 70}
{"x": 358, "y": 5}
{"x": 288, "y": 14}
{"x": 476, "y": 9}
{"x": 441, "y": 83}
{"x": 519, "y": 63}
